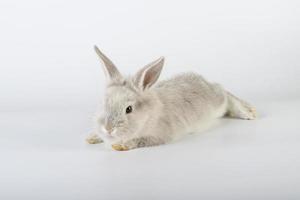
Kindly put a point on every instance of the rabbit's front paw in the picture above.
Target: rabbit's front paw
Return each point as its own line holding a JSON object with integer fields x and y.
{"x": 119, "y": 147}
{"x": 93, "y": 139}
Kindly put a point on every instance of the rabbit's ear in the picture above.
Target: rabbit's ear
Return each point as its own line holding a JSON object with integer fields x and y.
{"x": 111, "y": 71}
{"x": 149, "y": 74}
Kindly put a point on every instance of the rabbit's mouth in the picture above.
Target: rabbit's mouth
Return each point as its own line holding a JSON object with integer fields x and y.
{"x": 113, "y": 133}
{"x": 107, "y": 135}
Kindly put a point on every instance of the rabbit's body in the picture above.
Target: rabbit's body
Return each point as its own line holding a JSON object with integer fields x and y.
{"x": 160, "y": 113}
{"x": 189, "y": 102}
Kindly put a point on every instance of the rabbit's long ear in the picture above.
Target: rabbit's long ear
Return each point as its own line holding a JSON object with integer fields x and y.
{"x": 111, "y": 71}
{"x": 149, "y": 74}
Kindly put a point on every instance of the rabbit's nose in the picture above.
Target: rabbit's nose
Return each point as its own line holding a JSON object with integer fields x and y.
{"x": 108, "y": 127}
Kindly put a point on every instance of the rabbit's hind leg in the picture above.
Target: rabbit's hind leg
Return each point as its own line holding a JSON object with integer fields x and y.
{"x": 238, "y": 108}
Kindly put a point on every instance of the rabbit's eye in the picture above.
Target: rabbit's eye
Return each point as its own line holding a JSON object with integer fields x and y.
{"x": 128, "y": 109}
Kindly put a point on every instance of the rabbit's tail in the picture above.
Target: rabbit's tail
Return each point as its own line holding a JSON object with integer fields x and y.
{"x": 238, "y": 108}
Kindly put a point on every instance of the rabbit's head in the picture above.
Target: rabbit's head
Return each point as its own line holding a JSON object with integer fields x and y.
{"x": 128, "y": 101}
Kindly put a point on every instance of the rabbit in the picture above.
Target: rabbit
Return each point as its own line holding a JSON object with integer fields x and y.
{"x": 138, "y": 112}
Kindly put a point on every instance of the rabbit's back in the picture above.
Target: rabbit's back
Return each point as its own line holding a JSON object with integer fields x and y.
{"x": 188, "y": 99}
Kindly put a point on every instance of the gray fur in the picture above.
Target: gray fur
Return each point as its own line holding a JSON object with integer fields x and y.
{"x": 162, "y": 111}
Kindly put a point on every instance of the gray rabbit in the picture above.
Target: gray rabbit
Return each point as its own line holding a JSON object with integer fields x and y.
{"x": 139, "y": 113}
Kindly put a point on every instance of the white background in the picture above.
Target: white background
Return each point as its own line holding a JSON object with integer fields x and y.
{"x": 51, "y": 82}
